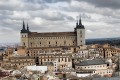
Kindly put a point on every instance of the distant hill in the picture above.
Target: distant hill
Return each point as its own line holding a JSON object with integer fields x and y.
{"x": 112, "y": 41}
{"x": 2, "y": 45}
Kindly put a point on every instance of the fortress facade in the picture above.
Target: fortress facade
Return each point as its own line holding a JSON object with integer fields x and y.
{"x": 53, "y": 39}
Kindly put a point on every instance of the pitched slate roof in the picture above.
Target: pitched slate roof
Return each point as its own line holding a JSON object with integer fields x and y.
{"x": 91, "y": 62}
{"x": 111, "y": 78}
{"x": 51, "y": 34}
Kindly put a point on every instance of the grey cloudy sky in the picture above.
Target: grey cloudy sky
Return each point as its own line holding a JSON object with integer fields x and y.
{"x": 101, "y": 18}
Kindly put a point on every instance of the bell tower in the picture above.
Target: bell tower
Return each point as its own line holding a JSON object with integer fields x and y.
{"x": 80, "y": 31}
{"x": 24, "y": 35}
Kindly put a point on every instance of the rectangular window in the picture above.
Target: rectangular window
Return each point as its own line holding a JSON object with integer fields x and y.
{"x": 49, "y": 42}
{"x": 59, "y": 60}
{"x": 65, "y": 59}
{"x": 80, "y": 32}
{"x": 73, "y": 42}
{"x": 24, "y": 44}
{"x": 31, "y": 44}
{"x": 64, "y": 42}
{"x": 68, "y": 59}
{"x": 62, "y": 59}
{"x": 56, "y": 43}
{"x": 80, "y": 35}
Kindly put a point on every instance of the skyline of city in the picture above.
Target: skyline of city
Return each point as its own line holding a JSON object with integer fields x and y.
{"x": 100, "y": 18}
{"x": 59, "y": 39}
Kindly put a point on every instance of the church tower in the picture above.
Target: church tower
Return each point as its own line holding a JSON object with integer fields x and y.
{"x": 80, "y": 31}
{"x": 24, "y": 35}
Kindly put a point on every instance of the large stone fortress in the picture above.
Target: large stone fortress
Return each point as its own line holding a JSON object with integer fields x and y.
{"x": 53, "y": 39}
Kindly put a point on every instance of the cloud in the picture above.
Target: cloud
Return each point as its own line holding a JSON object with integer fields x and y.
{"x": 114, "y": 4}
{"x": 55, "y": 1}
{"x": 101, "y": 18}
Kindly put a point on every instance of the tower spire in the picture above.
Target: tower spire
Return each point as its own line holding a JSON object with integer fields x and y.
{"x": 77, "y": 22}
{"x": 23, "y": 25}
{"x": 27, "y": 27}
{"x": 80, "y": 20}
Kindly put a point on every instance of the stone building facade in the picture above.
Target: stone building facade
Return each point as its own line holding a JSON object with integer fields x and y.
{"x": 53, "y": 39}
{"x": 95, "y": 66}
